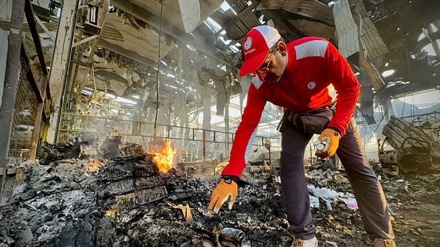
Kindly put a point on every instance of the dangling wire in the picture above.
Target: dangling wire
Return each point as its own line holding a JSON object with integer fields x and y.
{"x": 157, "y": 74}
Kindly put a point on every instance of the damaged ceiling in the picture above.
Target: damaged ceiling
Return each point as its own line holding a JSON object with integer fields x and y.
{"x": 401, "y": 39}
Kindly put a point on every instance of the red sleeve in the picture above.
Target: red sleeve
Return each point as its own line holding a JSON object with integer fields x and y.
{"x": 242, "y": 144}
{"x": 347, "y": 88}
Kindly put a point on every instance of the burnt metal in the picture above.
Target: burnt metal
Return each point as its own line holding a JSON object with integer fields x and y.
{"x": 137, "y": 12}
{"x": 11, "y": 82}
{"x": 41, "y": 91}
{"x": 415, "y": 147}
{"x": 29, "y": 75}
{"x": 35, "y": 35}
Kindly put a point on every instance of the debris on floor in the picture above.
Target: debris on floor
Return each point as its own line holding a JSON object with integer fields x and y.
{"x": 126, "y": 201}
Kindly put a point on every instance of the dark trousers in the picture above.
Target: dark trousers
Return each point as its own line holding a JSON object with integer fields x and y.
{"x": 366, "y": 187}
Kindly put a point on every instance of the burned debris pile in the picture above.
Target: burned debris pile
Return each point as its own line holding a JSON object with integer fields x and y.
{"x": 416, "y": 146}
{"x": 126, "y": 201}
{"x": 53, "y": 152}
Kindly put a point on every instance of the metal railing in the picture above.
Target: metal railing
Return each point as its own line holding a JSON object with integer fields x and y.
{"x": 192, "y": 144}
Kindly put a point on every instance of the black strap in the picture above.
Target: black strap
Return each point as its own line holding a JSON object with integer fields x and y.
{"x": 241, "y": 183}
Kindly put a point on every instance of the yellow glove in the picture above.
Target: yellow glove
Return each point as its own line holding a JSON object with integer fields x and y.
{"x": 226, "y": 190}
{"x": 327, "y": 143}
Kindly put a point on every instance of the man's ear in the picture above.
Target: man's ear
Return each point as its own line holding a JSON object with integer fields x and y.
{"x": 282, "y": 48}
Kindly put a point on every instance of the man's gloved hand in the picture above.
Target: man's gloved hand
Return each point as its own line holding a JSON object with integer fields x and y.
{"x": 226, "y": 190}
{"x": 327, "y": 143}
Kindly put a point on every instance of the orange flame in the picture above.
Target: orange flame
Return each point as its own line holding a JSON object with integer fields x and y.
{"x": 164, "y": 159}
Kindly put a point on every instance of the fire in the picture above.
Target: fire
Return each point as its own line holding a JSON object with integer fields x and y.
{"x": 164, "y": 159}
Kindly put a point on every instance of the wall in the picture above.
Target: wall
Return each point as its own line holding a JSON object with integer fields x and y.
{"x": 24, "y": 117}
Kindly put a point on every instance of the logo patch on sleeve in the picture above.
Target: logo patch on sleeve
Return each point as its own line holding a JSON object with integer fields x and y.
{"x": 311, "y": 85}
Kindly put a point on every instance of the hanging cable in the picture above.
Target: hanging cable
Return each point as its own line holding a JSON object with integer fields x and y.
{"x": 158, "y": 73}
{"x": 373, "y": 133}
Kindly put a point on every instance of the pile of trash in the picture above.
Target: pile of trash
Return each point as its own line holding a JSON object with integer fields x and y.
{"x": 126, "y": 201}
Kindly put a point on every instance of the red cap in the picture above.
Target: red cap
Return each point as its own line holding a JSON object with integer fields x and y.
{"x": 256, "y": 45}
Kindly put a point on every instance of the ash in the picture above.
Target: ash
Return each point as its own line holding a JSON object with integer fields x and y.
{"x": 125, "y": 201}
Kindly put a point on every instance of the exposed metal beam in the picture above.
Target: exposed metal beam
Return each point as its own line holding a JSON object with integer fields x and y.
{"x": 5, "y": 24}
{"x": 30, "y": 76}
{"x": 240, "y": 15}
{"x": 398, "y": 90}
{"x": 131, "y": 55}
{"x": 36, "y": 131}
{"x": 11, "y": 82}
{"x": 40, "y": 91}
{"x": 85, "y": 40}
{"x": 3, "y": 51}
{"x": 126, "y": 53}
{"x": 293, "y": 32}
{"x": 111, "y": 75}
{"x": 46, "y": 30}
{"x": 35, "y": 35}
{"x": 60, "y": 61}
{"x": 199, "y": 43}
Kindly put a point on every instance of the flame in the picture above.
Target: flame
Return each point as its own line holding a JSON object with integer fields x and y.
{"x": 164, "y": 159}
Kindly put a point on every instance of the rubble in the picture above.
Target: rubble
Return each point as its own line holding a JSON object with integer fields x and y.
{"x": 52, "y": 152}
{"x": 126, "y": 201}
{"x": 416, "y": 148}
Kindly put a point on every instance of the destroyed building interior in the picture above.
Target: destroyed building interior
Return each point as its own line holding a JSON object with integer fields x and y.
{"x": 118, "y": 116}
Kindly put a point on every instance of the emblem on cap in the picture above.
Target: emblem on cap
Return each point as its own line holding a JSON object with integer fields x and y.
{"x": 248, "y": 43}
{"x": 311, "y": 85}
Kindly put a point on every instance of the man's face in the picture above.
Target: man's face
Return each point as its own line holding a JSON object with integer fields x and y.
{"x": 272, "y": 68}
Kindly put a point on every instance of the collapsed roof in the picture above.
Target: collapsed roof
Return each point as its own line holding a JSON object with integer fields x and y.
{"x": 395, "y": 50}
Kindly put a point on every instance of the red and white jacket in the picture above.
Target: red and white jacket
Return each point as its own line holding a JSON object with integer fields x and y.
{"x": 313, "y": 65}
